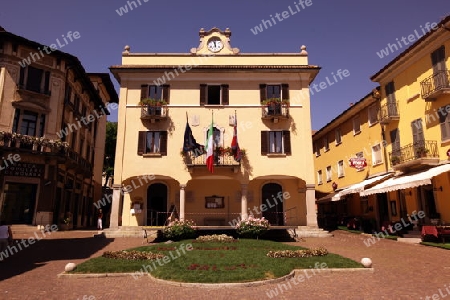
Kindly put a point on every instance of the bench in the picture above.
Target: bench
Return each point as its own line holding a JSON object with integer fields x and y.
{"x": 443, "y": 232}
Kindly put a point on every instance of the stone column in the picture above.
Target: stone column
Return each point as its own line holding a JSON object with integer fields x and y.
{"x": 182, "y": 201}
{"x": 311, "y": 213}
{"x": 114, "y": 218}
{"x": 244, "y": 214}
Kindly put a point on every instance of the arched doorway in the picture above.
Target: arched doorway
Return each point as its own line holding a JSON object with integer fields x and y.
{"x": 274, "y": 212}
{"x": 156, "y": 204}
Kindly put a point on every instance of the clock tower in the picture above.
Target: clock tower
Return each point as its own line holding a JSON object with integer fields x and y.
{"x": 214, "y": 42}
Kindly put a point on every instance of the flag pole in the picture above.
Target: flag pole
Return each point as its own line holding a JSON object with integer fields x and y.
{"x": 187, "y": 120}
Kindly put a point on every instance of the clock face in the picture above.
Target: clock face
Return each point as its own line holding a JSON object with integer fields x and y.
{"x": 215, "y": 44}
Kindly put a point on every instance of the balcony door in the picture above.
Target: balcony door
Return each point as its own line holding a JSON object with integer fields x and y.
{"x": 439, "y": 68}
{"x": 418, "y": 137}
{"x": 395, "y": 142}
{"x": 391, "y": 102}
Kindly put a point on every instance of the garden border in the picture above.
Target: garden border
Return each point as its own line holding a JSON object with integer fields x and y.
{"x": 212, "y": 285}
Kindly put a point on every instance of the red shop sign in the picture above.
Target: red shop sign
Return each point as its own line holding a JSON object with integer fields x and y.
{"x": 357, "y": 162}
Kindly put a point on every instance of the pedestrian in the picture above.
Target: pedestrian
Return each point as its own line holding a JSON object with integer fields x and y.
{"x": 6, "y": 237}
{"x": 99, "y": 220}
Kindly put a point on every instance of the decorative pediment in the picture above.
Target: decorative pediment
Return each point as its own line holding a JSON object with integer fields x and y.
{"x": 215, "y": 42}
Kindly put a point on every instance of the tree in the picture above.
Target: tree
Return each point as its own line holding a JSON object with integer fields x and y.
{"x": 110, "y": 150}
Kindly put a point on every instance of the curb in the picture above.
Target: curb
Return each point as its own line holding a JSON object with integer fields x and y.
{"x": 292, "y": 274}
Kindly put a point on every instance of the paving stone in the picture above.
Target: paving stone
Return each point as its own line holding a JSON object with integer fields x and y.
{"x": 401, "y": 271}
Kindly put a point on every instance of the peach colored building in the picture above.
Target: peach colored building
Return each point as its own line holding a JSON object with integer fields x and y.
{"x": 266, "y": 93}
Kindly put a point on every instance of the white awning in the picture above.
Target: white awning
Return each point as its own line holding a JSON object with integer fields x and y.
{"x": 407, "y": 181}
{"x": 330, "y": 197}
{"x": 359, "y": 187}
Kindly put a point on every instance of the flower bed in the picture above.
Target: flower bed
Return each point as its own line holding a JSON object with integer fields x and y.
{"x": 298, "y": 253}
{"x": 132, "y": 255}
{"x": 221, "y": 238}
{"x": 252, "y": 227}
{"x": 197, "y": 267}
{"x": 179, "y": 230}
{"x": 215, "y": 248}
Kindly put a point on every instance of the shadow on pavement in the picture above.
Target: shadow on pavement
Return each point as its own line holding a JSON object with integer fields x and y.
{"x": 45, "y": 250}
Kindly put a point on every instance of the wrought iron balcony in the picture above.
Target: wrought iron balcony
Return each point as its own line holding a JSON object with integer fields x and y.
{"x": 421, "y": 153}
{"x": 153, "y": 112}
{"x": 275, "y": 111}
{"x": 388, "y": 112}
{"x": 221, "y": 159}
{"x": 436, "y": 85}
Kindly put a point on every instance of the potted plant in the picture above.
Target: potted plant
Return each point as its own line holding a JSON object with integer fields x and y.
{"x": 274, "y": 105}
{"x": 422, "y": 152}
{"x": 66, "y": 222}
{"x": 395, "y": 160}
{"x": 153, "y": 105}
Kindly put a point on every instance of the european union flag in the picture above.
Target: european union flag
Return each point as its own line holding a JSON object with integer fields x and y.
{"x": 190, "y": 144}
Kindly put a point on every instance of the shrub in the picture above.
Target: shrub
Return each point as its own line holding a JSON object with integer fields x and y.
{"x": 180, "y": 230}
{"x": 298, "y": 253}
{"x": 252, "y": 227}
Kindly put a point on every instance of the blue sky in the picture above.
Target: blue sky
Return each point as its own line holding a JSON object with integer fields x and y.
{"x": 339, "y": 34}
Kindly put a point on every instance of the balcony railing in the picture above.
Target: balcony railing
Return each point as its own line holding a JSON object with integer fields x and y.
{"x": 423, "y": 152}
{"x": 435, "y": 85}
{"x": 388, "y": 112}
{"x": 275, "y": 111}
{"x": 221, "y": 159}
{"x": 25, "y": 143}
{"x": 154, "y": 112}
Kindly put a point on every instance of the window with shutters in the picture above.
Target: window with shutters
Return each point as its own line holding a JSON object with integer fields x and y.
{"x": 376, "y": 155}
{"x": 438, "y": 60}
{"x": 390, "y": 94}
{"x": 373, "y": 114}
{"x": 271, "y": 91}
{"x": 316, "y": 147}
{"x": 214, "y": 94}
{"x": 319, "y": 177}
{"x": 356, "y": 125}
{"x": 338, "y": 136}
{"x": 329, "y": 173}
{"x": 275, "y": 142}
{"x": 444, "y": 120}
{"x": 35, "y": 80}
{"x": 155, "y": 92}
{"x": 152, "y": 143}
{"x": 395, "y": 141}
{"x": 326, "y": 144}
{"x": 340, "y": 168}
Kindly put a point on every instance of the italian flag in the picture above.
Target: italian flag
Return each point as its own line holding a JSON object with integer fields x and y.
{"x": 210, "y": 148}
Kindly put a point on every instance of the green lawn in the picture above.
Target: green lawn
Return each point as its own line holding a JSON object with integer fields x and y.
{"x": 241, "y": 261}
{"x": 439, "y": 245}
{"x": 349, "y": 230}
{"x": 389, "y": 237}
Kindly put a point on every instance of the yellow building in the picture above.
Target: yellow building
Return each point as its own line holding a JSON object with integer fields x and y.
{"x": 52, "y": 134}
{"x": 213, "y": 84}
{"x": 349, "y": 157}
{"x": 415, "y": 106}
